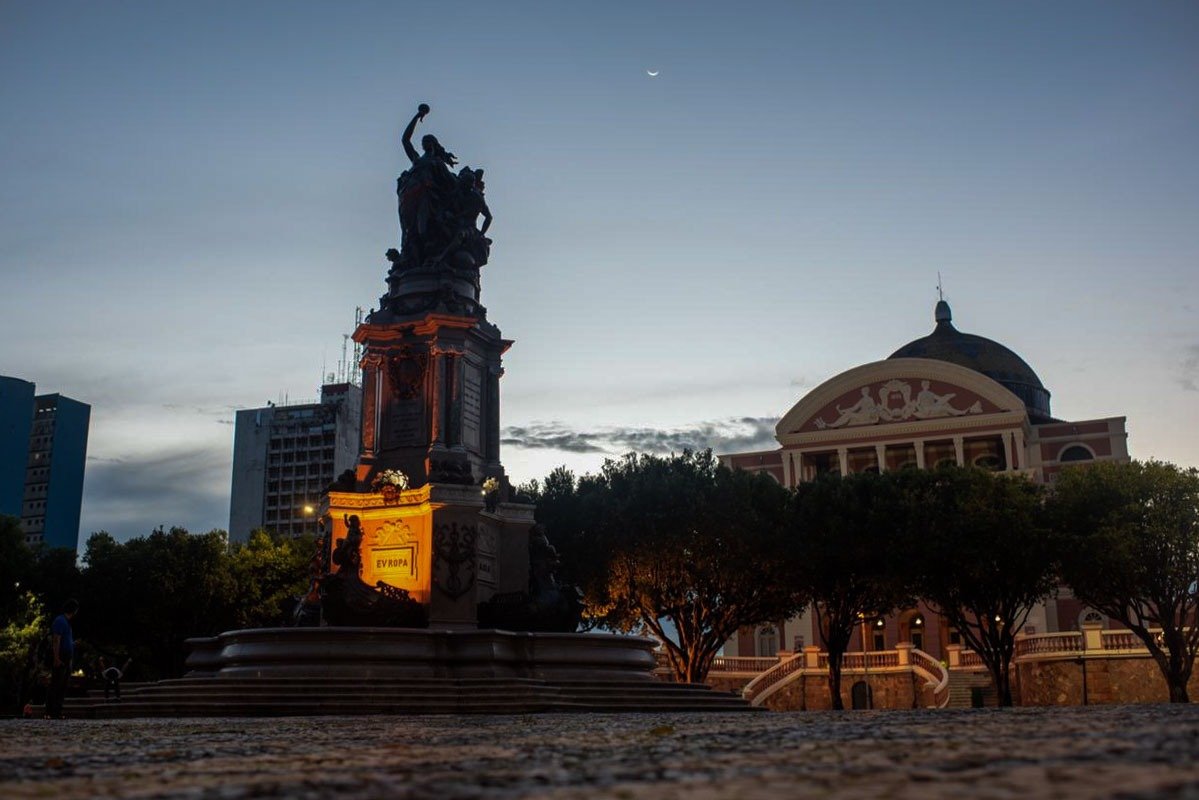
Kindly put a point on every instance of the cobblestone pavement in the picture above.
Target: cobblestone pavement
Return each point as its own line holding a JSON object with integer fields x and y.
{"x": 1121, "y": 752}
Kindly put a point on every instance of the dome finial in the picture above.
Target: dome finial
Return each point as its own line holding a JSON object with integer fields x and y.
{"x": 942, "y": 312}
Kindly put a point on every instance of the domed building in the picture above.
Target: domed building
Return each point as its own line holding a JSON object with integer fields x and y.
{"x": 948, "y": 397}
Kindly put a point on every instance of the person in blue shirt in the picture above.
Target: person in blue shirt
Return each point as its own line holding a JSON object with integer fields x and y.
{"x": 62, "y": 645}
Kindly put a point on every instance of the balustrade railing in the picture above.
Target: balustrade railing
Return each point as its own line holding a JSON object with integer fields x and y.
{"x": 1066, "y": 642}
{"x": 756, "y": 690}
{"x": 873, "y": 659}
{"x": 743, "y": 663}
{"x": 1122, "y": 641}
{"x": 936, "y": 672}
{"x": 971, "y": 660}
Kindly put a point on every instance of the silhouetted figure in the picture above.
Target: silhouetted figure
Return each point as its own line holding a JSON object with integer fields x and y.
{"x": 62, "y": 650}
{"x": 112, "y": 676}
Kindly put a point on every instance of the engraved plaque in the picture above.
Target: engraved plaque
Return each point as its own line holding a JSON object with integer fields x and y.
{"x": 405, "y": 423}
{"x": 486, "y": 570}
{"x": 395, "y": 565}
{"x": 472, "y": 406}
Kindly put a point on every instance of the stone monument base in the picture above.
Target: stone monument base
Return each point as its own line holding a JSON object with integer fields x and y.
{"x": 349, "y": 671}
{"x": 367, "y": 653}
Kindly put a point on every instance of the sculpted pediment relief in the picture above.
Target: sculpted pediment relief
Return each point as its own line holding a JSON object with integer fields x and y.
{"x": 898, "y": 400}
{"x": 390, "y": 534}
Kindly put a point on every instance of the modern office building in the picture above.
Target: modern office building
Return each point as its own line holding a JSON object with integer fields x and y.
{"x": 285, "y": 455}
{"x": 43, "y": 452}
{"x": 945, "y": 398}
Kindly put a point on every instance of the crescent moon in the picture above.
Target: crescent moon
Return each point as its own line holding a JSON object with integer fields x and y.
{"x": 653, "y": 73}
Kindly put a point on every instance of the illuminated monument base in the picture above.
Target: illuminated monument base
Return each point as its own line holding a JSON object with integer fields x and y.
{"x": 438, "y": 544}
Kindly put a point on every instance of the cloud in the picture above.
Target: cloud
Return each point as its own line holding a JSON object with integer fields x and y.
{"x": 722, "y": 436}
{"x": 131, "y": 495}
{"x": 1188, "y": 376}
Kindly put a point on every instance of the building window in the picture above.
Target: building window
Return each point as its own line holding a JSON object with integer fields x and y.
{"x": 768, "y": 641}
{"x": 1076, "y": 452}
{"x": 991, "y": 462}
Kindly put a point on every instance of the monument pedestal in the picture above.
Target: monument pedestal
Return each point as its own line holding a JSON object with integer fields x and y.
{"x": 437, "y": 543}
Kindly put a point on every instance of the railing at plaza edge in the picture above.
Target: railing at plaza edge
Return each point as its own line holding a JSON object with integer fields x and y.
{"x": 773, "y": 673}
{"x": 935, "y": 672}
{"x": 813, "y": 662}
{"x": 1091, "y": 642}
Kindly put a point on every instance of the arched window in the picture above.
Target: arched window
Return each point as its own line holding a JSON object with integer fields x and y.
{"x": 990, "y": 462}
{"x": 1091, "y": 615}
{"x": 1076, "y": 452}
{"x": 768, "y": 641}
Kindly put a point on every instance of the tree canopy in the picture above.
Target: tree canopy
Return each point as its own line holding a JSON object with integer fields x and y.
{"x": 1131, "y": 551}
{"x": 844, "y": 539}
{"x": 977, "y": 549}
{"x": 680, "y": 546}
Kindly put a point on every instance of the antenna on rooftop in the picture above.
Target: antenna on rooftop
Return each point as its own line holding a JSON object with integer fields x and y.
{"x": 940, "y": 292}
{"x": 347, "y": 365}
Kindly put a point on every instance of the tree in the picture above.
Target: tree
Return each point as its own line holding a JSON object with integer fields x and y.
{"x": 843, "y": 533}
{"x": 679, "y": 542}
{"x": 148, "y": 595}
{"x": 20, "y": 634}
{"x": 16, "y": 562}
{"x": 565, "y": 504}
{"x": 54, "y": 576}
{"x": 1131, "y": 551}
{"x": 269, "y": 572}
{"x": 982, "y": 555}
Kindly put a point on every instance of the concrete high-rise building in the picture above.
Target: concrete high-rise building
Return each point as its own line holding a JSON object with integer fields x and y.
{"x": 43, "y": 452}
{"x": 285, "y": 455}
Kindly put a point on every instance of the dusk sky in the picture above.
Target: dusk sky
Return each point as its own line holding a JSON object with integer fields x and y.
{"x": 195, "y": 197}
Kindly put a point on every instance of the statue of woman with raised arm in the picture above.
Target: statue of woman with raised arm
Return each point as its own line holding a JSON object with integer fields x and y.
{"x": 423, "y": 191}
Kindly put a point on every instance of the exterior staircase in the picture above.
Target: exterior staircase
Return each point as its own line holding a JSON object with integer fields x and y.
{"x": 307, "y": 696}
{"x": 967, "y": 688}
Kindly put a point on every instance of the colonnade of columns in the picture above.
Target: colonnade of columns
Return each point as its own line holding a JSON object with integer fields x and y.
{"x": 1002, "y": 450}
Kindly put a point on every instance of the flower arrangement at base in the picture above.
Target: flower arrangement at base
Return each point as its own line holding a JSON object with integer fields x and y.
{"x": 390, "y": 482}
{"x": 491, "y": 493}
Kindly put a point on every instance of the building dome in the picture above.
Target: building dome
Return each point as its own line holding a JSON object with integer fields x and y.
{"x": 947, "y": 343}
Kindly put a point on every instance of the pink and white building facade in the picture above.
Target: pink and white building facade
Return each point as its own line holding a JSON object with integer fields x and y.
{"x": 949, "y": 397}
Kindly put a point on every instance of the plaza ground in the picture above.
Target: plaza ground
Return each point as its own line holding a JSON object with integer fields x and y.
{"x": 1147, "y": 751}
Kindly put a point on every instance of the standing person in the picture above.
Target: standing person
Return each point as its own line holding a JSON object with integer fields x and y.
{"x": 62, "y": 645}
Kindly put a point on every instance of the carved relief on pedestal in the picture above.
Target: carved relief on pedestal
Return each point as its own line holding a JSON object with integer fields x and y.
{"x": 895, "y": 403}
{"x": 406, "y": 372}
{"x": 393, "y": 553}
{"x": 454, "y": 558}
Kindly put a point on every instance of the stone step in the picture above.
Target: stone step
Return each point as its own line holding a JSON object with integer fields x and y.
{"x": 286, "y": 696}
{"x": 262, "y": 694}
{"x": 367, "y": 706}
{"x": 401, "y": 690}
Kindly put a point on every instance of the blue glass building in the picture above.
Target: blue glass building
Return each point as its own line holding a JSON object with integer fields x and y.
{"x": 43, "y": 451}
